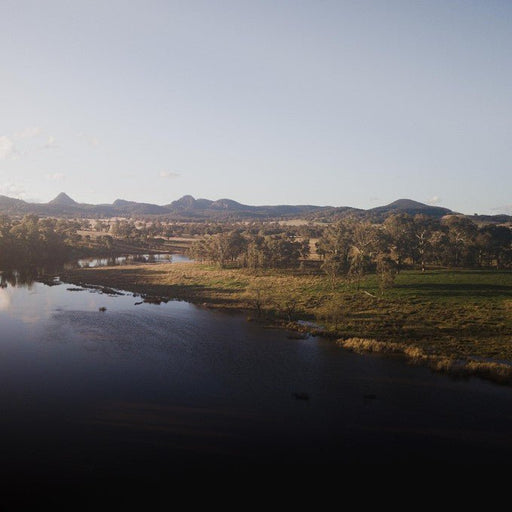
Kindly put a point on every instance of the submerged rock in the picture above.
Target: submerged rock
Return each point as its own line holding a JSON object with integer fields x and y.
{"x": 110, "y": 291}
{"x": 50, "y": 281}
{"x": 156, "y": 300}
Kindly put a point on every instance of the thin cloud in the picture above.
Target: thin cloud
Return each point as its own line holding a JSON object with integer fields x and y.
{"x": 51, "y": 143}
{"x": 29, "y": 132}
{"x": 56, "y": 176}
{"x": 7, "y": 148}
{"x": 91, "y": 140}
{"x": 12, "y": 190}
{"x": 434, "y": 200}
{"x": 169, "y": 174}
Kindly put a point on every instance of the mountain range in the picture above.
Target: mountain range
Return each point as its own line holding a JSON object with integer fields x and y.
{"x": 189, "y": 208}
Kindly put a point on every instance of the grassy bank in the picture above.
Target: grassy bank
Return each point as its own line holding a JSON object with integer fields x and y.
{"x": 448, "y": 319}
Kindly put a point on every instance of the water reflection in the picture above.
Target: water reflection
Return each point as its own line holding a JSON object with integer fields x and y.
{"x": 26, "y": 276}
{"x": 5, "y": 299}
{"x": 132, "y": 258}
{"x": 22, "y": 277}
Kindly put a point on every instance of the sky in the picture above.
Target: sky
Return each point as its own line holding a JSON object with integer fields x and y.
{"x": 341, "y": 103}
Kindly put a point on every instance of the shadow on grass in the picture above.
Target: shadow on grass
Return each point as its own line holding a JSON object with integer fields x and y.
{"x": 465, "y": 289}
{"x": 126, "y": 280}
{"x": 195, "y": 293}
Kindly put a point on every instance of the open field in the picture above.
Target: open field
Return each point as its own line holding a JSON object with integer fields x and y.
{"x": 435, "y": 316}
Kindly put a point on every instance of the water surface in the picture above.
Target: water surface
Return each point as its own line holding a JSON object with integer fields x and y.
{"x": 132, "y": 258}
{"x": 143, "y": 390}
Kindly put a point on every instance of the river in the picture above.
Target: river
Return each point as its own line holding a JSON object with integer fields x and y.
{"x": 147, "y": 390}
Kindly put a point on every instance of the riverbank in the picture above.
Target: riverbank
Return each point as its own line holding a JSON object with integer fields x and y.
{"x": 459, "y": 322}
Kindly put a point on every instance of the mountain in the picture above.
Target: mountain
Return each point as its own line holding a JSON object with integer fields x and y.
{"x": 229, "y": 204}
{"x": 188, "y": 203}
{"x": 223, "y": 208}
{"x": 9, "y": 205}
{"x": 63, "y": 200}
{"x": 134, "y": 208}
{"x": 410, "y": 207}
{"x": 189, "y": 208}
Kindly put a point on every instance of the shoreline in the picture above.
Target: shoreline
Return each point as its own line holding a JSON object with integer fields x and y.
{"x": 499, "y": 373}
{"x": 283, "y": 299}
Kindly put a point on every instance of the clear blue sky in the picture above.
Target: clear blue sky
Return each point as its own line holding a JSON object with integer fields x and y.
{"x": 322, "y": 102}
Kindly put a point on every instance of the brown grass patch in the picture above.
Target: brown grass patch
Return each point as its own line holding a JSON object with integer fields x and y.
{"x": 490, "y": 370}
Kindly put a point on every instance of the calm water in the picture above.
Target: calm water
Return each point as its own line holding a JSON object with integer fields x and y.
{"x": 148, "y": 390}
{"x": 131, "y": 258}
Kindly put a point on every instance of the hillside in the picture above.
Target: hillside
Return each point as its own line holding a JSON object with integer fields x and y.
{"x": 410, "y": 207}
{"x": 189, "y": 208}
{"x": 63, "y": 200}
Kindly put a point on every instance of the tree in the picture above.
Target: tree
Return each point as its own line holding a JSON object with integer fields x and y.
{"x": 259, "y": 295}
{"x": 255, "y": 256}
{"x": 365, "y": 241}
{"x": 496, "y": 241}
{"x": 461, "y": 235}
{"x": 400, "y": 231}
{"x": 386, "y": 271}
{"x": 423, "y": 229}
{"x": 333, "y": 247}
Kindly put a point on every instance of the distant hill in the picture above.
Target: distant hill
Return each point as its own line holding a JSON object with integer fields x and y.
{"x": 223, "y": 208}
{"x": 400, "y": 206}
{"x": 410, "y": 207}
{"x": 9, "y": 205}
{"x": 189, "y": 208}
{"x": 63, "y": 200}
{"x": 184, "y": 208}
{"x": 134, "y": 208}
{"x": 497, "y": 219}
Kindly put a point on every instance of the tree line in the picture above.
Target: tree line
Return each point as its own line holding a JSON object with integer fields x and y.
{"x": 35, "y": 241}
{"x": 347, "y": 247}
{"x": 252, "y": 250}
{"x": 352, "y": 247}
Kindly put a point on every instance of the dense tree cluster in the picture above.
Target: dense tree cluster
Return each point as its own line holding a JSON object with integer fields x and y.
{"x": 352, "y": 247}
{"x": 34, "y": 241}
{"x": 251, "y": 250}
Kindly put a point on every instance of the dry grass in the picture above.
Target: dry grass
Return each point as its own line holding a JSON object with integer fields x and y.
{"x": 490, "y": 370}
